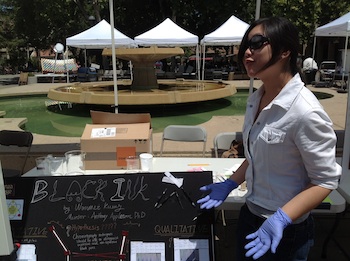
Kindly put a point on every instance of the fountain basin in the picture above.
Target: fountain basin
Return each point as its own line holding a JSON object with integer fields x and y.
{"x": 168, "y": 92}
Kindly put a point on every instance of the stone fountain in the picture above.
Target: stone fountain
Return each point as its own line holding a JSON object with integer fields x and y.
{"x": 144, "y": 88}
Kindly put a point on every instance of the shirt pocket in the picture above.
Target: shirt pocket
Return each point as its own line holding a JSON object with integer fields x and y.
{"x": 272, "y": 135}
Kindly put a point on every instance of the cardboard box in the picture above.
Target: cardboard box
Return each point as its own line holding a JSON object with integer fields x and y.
{"x": 113, "y": 137}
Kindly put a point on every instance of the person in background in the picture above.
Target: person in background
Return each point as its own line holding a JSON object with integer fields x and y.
{"x": 235, "y": 150}
{"x": 289, "y": 144}
{"x": 309, "y": 64}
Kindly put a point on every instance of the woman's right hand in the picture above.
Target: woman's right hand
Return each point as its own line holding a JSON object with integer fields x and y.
{"x": 219, "y": 192}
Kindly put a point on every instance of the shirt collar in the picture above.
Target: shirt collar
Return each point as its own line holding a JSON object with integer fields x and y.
{"x": 289, "y": 92}
{"x": 287, "y": 95}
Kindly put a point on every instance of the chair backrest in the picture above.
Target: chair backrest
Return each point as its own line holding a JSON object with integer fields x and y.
{"x": 184, "y": 133}
{"x": 19, "y": 139}
{"x": 181, "y": 68}
{"x": 83, "y": 70}
{"x": 58, "y": 66}
{"x": 223, "y": 140}
{"x": 189, "y": 69}
{"x": 339, "y": 147}
{"x": 23, "y": 78}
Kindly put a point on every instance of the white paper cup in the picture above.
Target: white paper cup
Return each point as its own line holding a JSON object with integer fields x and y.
{"x": 146, "y": 161}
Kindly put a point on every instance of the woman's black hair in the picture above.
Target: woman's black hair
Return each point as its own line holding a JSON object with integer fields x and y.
{"x": 283, "y": 36}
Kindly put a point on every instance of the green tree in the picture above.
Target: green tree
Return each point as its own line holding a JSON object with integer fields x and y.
{"x": 9, "y": 39}
{"x": 331, "y": 10}
{"x": 41, "y": 23}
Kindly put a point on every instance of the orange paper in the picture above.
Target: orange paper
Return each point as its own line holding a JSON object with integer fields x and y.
{"x": 123, "y": 153}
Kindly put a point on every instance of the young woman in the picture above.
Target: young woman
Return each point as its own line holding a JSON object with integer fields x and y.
{"x": 289, "y": 146}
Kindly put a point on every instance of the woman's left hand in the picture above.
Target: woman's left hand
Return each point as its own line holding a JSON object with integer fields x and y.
{"x": 268, "y": 235}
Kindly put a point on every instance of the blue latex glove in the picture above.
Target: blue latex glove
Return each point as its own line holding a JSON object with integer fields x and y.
{"x": 219, "y": 192}
{"x": 268, "y": 235}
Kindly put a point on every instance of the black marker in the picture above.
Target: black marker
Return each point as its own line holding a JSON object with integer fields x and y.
{"x": 179, "y": 200}
{"x": 196, "y": 217}
{"x": 163, "y": 193}
{"x": 166, "y": 199}
{"x": 188, "y": 197}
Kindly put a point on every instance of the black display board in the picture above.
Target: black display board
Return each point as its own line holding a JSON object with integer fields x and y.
{"x": 98, "y": 217}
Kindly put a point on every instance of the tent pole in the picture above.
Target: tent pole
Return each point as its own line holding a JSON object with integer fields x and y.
{"x": 65, "y": 57}
{"x": 346, "y": 152}
{"x": 345, "y": 56}
{"x": 54, "y": 68}
{"x": 198, "y": 63}
{"x": 111, "y": 15}
{"x": 203, "y": 62}
{"x": 313, "y": 52}
{"x": 85, "y": 55}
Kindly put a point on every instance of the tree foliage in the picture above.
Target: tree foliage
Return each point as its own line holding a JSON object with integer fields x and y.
{"x": 41, "y": 23}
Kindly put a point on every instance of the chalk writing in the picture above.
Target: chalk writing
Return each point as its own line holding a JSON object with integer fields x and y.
{"x": 75, "y": 217}
{"x": 82, "y": 207}
{"x": 115, "y": 208}
{"x": 31, "y": 231}
{"x": 84, "y": 227}
{"x": 119, "y": 216}
{"x": 167, "y": 230}
{"x": 109, "y": 226}
{"x": 129, "y": 223}
{"x": 98, "y": 216}
{"x": 88, "y": 242}
{"x": 132, "y": 191}
{"x": 107, "y": 239}
{"x": 175, "y": 230}
{"x": 90, "y": 189}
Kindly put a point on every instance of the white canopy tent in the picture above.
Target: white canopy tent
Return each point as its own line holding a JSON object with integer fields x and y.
{"x": 168, "y": 34}
{"x": 340, "y": 27}
{"x": 229, "y": 33}
{"x": 99, "y": 37}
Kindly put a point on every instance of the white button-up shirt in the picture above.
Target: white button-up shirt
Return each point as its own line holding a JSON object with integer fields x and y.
{"x": 290, "y": 144}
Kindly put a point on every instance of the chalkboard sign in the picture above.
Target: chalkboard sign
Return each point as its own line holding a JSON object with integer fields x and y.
{"x": 139, "y": 216}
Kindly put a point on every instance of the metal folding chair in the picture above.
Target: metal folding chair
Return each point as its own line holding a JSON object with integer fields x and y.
{"x": 223, "y": 140}
{"x": 184, "y": 133}
{"x": 20, "y": 139}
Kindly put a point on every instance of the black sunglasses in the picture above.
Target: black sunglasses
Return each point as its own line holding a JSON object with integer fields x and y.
{"x": 257, "y": 41}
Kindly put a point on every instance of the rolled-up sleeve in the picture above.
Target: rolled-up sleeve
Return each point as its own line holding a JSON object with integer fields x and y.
{"x": 316, "y": 141}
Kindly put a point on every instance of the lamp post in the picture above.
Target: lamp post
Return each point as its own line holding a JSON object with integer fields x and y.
{"x": 257, "y": 16}
{"x": 257, "y": 9}
{"x": 92, "y": 19}
{"x": 59, "y": 48}
{"x": 111, "y": 15}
